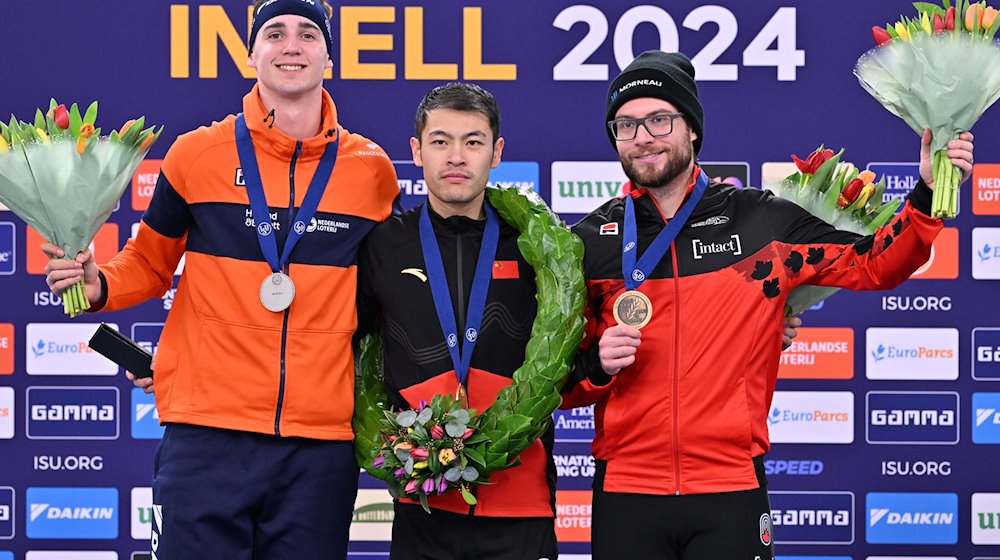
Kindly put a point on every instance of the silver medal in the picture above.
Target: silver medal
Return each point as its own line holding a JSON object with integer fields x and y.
{"x": 277, "y": 292}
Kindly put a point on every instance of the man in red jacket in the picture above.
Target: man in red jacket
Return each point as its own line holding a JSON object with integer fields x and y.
{"x": 254, "y": 379}
{"x": 704, "y": 270}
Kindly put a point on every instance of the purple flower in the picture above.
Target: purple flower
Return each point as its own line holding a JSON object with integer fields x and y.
{"x": 421, "y": 406}
{"x": 378, "y": 461}
{"x": 400, "y": 472}
{"x": 428, "y": 486}
{"x": 442, "y": 484}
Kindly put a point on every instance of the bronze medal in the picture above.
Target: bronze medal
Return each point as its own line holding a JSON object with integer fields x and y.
{"x": 633, "y": 308}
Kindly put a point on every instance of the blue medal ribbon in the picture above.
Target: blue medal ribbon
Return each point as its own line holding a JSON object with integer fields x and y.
{"x": 258, "y": 201}
{"x": 634, "y": 272}
{"x": 442, "y": 295}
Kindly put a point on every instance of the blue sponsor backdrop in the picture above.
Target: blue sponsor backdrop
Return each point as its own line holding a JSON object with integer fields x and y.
{"x": 914, "y": 518}
{"x": 775, "y": 78}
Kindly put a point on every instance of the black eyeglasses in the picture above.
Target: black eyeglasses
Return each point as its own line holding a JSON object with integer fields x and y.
{"x": 660, "y": 124}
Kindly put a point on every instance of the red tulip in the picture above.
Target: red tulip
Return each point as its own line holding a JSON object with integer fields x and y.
{"x": 850, "y": 192}
{"x": 949, "y": 18}
{"x": 813, "y": 162}
{"x": 938, "y": 23}
{"x": 60, "y": 116}
{"x": 880, "y": 35}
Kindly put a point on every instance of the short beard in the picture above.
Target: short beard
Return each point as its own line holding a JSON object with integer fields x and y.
{"x": 678, "y": 159}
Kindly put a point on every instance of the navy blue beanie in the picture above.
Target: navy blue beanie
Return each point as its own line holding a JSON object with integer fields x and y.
{"x": 312, "y": 10}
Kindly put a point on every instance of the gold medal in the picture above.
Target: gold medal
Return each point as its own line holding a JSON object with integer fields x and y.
{"x": 633, "y": 308}
{"x": 461, "y": 396}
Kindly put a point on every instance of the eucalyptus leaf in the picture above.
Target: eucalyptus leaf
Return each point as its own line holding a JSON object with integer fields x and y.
{"x": 425, "y": 415}
{"x": 470, "y": 474}
{"x": 406, "y": 418}
{"x": 454, "y": 429}
{"x": 453, "y": 474}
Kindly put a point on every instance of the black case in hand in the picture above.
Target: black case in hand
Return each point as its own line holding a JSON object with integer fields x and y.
{"x": 121, "y": 350}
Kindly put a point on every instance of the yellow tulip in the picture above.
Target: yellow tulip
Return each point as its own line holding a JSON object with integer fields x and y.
{"x": 866, "y": 193}
{"x": 41, "y": 134}
{"x": 925, "y": 23}
{"x": 902, "y": 31}
{"x": 420, "y": 465}
{"x": 4, "y": 146}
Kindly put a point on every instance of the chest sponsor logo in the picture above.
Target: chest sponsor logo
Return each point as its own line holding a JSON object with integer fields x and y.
{"x": 72, "y": 412}
{"x": 144, "y": 183}
{"x": 811, "y": 417}
{"x": 917, "y": 518}
{"x": 7, "y": 508}
{"x": 373, "y": 514}
{"x": 581, "y": 186}
{"x": 72, "y": 513}
{"x": 62, "y": 349}
{"x": 6, "y": 348}
{"x": 900, "y": 179}
{"x": 145, "y": 416}
{"x": 732, "y": 246}
{"x": 819, "y": 353}
{"x": 8, "y": 257}
{"x": 986, "y": 189}
{"x": 575, "y": 425}
{"x": 986, "y": 354}
{"x": 327, "y": 226}
{"x": 986, "y": 418}
{"x": 917, "y": 354}
{"x": 573, "y": 515}
{"x": 104, "y": 246}
{"x": 986, "y": 518}
{"x": 609, "y": 229}
{"x": 793, "y": 467}
{"x": 6, "y": 413}
{"x": 943, "y": 262}
{"x": 986, "y": 253}
{"x": 812, "y": 517}
{"x": 142, "y": 513}
{"x": 912, "y": 418}
{"x": 713, "y": 221}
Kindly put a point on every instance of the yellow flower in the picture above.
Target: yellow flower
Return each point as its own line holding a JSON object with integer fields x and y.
{"x": 446, "y": 456}
{"x": 925, "y": 23}
{"x": 4, "y": 146}
{"x": 866, "y": 193}
{"x": 42, "y": 135}
{"x": 420, "y": 465}
{"x": 902, "y": 31}
{"x": 86, "y": 131}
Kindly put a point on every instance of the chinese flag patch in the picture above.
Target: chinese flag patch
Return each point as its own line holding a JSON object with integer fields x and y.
{"x": 505, "y": 270}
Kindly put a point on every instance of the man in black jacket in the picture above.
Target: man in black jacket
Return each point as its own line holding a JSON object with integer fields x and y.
{"x": 452, "y": 266}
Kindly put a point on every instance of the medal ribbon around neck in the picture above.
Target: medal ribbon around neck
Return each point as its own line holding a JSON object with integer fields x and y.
{"x": 635, "y": 273}
{"x": 258, "y": 201}
{"x": 442, "y": 295}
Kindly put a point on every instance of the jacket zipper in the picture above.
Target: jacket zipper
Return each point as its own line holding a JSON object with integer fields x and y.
{"x": 677, "y": 370}
{"x": 284, "y": 320}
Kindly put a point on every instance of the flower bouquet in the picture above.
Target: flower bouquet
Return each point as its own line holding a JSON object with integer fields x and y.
{"x": 431, "y": 450}
{"x": 443, "y": 446}
{"x": 933, "y": 71}
{"x": 63, "y": 178}
{"x": 839, "y": 194}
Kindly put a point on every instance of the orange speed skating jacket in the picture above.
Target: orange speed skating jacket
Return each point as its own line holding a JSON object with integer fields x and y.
{"x": 223, "y": 359}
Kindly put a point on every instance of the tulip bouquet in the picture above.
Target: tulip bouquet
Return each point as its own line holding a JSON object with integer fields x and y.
{"x": 431, "y": 450}
{"x": 63, "y": 178}
{"x": 933, "y": 71}
{"x": 839, "y": 194}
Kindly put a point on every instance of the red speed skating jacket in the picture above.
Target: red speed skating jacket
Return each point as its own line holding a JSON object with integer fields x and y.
{"x": 690, "y": 415}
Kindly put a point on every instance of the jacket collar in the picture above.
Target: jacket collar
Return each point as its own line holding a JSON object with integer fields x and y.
{"x": 271, "y": 140}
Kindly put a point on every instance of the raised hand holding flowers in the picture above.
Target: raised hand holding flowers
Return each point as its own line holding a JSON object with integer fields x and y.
{"x": 936, "y": 76}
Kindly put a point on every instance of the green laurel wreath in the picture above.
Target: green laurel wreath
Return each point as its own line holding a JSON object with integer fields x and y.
{"x": 523, "y": 410}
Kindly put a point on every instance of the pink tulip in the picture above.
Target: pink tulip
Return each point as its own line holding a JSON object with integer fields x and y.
{"x": 437, "y": 432}
{"x": 411, "y": 487}
{"x": 468, "y": 432}
{"x": 419, "y": 453}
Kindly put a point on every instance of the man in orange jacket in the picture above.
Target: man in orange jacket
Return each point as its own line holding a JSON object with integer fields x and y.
{"x": 254, "y": 380}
